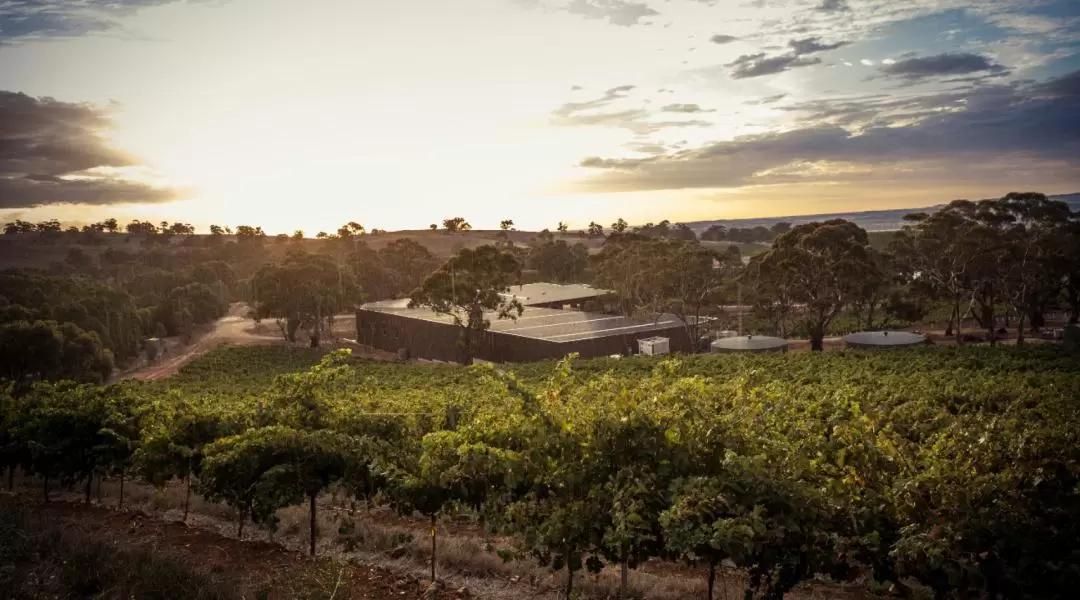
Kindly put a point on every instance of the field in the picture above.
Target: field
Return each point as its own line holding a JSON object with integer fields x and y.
{"x": 947, "y": 470}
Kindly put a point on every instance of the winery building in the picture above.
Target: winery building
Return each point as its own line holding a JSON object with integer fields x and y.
{"x": 552, "y": 326}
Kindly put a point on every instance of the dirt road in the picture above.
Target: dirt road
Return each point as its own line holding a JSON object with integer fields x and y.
{"x": 232, "y": 329}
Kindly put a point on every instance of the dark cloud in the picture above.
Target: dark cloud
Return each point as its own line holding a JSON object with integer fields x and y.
{"x": 940, "y": 65}
{"x": 26, "y": 192}
{"x": 723, "y": 39}
{"x": 833, "y": 6}
{"x": 756, "y": 65}
{"x": 26, "y": 19}
{"x": 48, "y": 150}
{"x": 812, "y": 45}
{"x": 1035, "y": 124}
{"x": 1067, "y": 86}
{"x": 684, "y": 108}
{"x": 617, "y": 12}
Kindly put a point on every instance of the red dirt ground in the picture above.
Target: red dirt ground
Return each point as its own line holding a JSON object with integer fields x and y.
{"x": 252, "y": 565}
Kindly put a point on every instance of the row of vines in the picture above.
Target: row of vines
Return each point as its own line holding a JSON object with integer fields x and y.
{"x": 953, "y": 470}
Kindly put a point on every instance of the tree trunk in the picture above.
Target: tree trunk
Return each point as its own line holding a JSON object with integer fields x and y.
{"x": 311, "y": 515}
{"x": 89, "y": 486}
{"x": 569, "y": 580}
{"x": 959, "y": 323}
{"x": 187, "y": 497}
{"x": 817, "y": 338}
{"x": 121, "y": 505}
{"x": 99, "y": 480}
{"x": 624, "y": 576}
{"x": 712, "y": 577}
{"x": 240, "y": 525}
{"x": 434, "y": 534}
{"x": 1020, "y": 328}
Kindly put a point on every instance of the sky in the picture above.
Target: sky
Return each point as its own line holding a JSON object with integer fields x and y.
{"x": 400, "y": 113}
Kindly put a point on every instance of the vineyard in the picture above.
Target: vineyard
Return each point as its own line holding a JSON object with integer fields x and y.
{"x": 953, "y": 473}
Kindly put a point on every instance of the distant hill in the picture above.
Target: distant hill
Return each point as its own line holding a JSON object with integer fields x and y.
{"x": 872, "y": 220}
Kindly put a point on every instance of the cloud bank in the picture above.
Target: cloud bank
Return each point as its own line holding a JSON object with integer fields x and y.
{"x": 51, "y": 152}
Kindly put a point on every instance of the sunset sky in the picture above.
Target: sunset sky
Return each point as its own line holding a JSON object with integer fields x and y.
{"x": 399, "y": 113}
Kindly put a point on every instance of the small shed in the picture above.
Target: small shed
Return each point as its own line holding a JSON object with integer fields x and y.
{"x": 749, "y": 343}
{"x": 883, "y": 339}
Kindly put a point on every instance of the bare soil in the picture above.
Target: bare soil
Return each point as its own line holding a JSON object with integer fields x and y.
{"x": 254, "y": 567}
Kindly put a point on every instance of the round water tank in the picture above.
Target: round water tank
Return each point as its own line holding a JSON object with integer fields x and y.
{"x": 749, "y": 343}
{"x": 883, "y": 339}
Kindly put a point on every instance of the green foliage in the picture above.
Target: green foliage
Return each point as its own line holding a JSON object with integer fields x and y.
{"x": 953, "y": 468}
{"x": 470, "y": 287}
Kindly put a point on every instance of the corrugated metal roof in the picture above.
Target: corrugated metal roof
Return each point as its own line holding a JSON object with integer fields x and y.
{"x": 544, "y": 323}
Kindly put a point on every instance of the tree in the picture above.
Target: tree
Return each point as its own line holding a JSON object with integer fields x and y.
{"x": 249, "y": 234}
{"x": 305, "y": 289}
{"x": 456, "y": 224}
{"x": 433, "y": 227}
{"x": 1036, "y": 253}
{"x": 405, "y": 264}
{"x": 823, "y": 265}
{"x": 506, "y": 224}
{"x": 560, "y": 262}
{"x": 780, "y": 228}
{"x": 263, "y": 470}
{"x": 355, "y": 228}
{"x": 623, "y": 265}
{"x": 692, "y": 281}
{"x": 681, "y": 232}
{"x": 595, "y": 229}
{"x": 48, "y": 351}
{"x": 468, "y": 288}
{"x": 138, "y": 227}
{"x": 619, "y": 226}
{"x": 110, "y": 225}
{"x": 563, "y": 227}
{"x": 715, "y": 233}
{"x": 939, "y": 252}
{"x": 298, "y": 235}
{"x": 216, "y": 230}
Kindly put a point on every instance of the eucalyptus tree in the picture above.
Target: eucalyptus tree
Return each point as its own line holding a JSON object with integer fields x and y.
{"x": 823, "y": 265}
{"x": 469, "y": 288}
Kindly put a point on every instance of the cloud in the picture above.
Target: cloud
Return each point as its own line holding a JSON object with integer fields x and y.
{"x": 684, "y": 108}
{"x": 616, "y": 12}
{"x": 767, "y": 100}
{"x": 723, "y": 39}
{"x": 27, "y": 192}
{"x": 757, "y": 65}
{"x": 833, "y": 6}
{"x": 31, "y": 19}
{"x": 812, "y": 45}
{"x": 1032, "y": 125}
{"x": 51, "y": 151}
{"x": 949, "y": 64}
{"x": 636, "y": 120}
